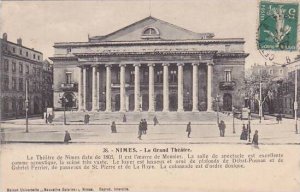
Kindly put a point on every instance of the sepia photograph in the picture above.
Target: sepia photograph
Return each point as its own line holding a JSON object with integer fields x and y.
{"x": 149, "y": 95}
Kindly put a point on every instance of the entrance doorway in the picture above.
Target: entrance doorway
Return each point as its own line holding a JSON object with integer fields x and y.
{"x": 159, "y": 102}
{"x": 173, "y": 102}
{"x": 227, "y": 102}
{"x": 117, "y": 102}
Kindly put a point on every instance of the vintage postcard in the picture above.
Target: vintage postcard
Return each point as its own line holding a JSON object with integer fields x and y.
{"x": 149, "y": 96}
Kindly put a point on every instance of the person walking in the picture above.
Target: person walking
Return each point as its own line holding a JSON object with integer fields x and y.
{"x": 255, "y": 138}
{"x": 86, "y": 119}
{"x": 67, "y": 137}
{"x": 50, "y": 118}
{"x": 188, "y": 129}
{"x": 113, "y": 127}
{"x": 140, "y": 129}
{"x": 145, "y": 127}
{"x": 222, "y": 127}
{"x": 124, "y": 118}
{"x": 244, "y": 133}
{"x": 155, "y": 120}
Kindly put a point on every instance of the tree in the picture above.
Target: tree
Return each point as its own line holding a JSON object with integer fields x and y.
{"x": 259, "y": 79}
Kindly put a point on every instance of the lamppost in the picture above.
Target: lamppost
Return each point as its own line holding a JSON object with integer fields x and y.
{"x": 26, "y": 104}
{"x": 296, "y": 100}
{"x": 233, "y": 128}
{"x": 217, "y": 101}
{"x": 188, "y": 97}
{"x": 249, "y": 125}
{"x": 63, "y": 102}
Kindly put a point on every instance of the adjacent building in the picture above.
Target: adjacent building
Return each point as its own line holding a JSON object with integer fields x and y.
{"x": 19, "y": 64}
{"x": 150, "y": 65}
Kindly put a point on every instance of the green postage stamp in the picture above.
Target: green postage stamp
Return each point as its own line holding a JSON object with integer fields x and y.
{"x": 278, "y": 26}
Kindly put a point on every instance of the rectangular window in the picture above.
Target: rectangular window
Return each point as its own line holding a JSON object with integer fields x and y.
{"x": 21, "y": 67}
{"x": 227, "y": 75}
{"x": 21, "y": 84}
{"x": 14, "y": 84}
{"x": 27, "y": 69}
{"x": 68, "y": 77}
{"x": 38, "y": 57}
{"x": 20, "y": 51}
{"x": 14, "y": 49}
{"x": 5, "y": 84}
{"x": 6, "y": 65}
{"x": 33, "y": 56}
{"x": 26, "y": 53}
{"x": 14, "y": 66}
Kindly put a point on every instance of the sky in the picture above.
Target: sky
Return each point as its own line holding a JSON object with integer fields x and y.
{"x": 42, "y": 23}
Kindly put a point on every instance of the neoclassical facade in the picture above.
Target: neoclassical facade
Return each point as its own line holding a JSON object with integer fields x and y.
{"x": 150, "y": 65}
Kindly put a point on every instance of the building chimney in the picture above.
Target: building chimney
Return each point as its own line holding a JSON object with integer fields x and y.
{"x": 4, "y": 36}
{"x": 19, "y": 41}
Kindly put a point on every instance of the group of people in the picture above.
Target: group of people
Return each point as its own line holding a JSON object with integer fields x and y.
{"x": 143, "y": 126}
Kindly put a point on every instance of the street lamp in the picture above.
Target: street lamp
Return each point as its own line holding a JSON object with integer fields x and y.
{"x": 217, "y": 101}
{"x": 295, "y": 102}
{"x": 233, "y": 128}
{"x": 63, "y": 102}
{"x": 26, "y": 104}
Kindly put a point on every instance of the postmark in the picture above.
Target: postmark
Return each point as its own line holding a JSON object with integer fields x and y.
{"x": 278, "y": 23}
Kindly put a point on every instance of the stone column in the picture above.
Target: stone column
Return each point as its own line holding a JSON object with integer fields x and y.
{"x": 95, "y": 103}
{"x": 98, "y": 88}
{"x": 209, "y": 85}
{"x": 137, "y": 87}
{"x": 108, "y": 88}
{"x": 84, "y": 88}
{"x": 122, "y": 88}
{"x": 180, "y": 87}
{"x": 80, "y": 104}
{"x": 151, "y": 87}
{"x": 195, "y": 87}
{"x": 166, "y": 87}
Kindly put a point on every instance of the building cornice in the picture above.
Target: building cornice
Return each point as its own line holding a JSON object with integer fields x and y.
{"x": 149, "y": 42}
{"x": 7, "y": 54}
{"x": 144, "y": 53}
{"x": 224, "y": 54}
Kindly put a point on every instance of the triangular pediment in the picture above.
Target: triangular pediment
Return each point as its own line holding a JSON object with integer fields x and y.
{"x": 151, "y": 28}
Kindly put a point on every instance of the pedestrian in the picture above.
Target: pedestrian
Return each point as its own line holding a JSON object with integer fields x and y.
{"x": 46, "y": 118}
{"x": 188, "y": 129}
{"x": 222, "y": 127}
{"x": 113, "y": 127}
{"x": 155, "y": 120}
{"x": 255, "y": 138}
{"x": 50, "y": 118}
{"x": 278, "y": 118}
{"x": 86, "y": 119}
{"x": 145, "y": 127}
{"x": 67, "y": 137}
{"x": 244, "y": 133}
{"x": 124, "y": 118}
{"x": 140, "y": 130}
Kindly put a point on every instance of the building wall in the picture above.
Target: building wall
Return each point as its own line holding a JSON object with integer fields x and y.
{"x": 19, "y": 63}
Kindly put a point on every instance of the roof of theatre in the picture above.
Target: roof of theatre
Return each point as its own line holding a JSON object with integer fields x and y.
{"x": 150, "y": 30}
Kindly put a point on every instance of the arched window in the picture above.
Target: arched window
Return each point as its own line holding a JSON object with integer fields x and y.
{"x": 150, "y": 33}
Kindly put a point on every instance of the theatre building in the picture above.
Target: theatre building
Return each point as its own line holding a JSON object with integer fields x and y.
{"x": 150, "y": 65}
